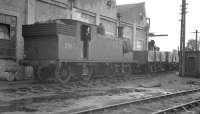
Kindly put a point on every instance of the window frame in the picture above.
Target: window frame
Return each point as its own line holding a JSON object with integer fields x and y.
{"x": 141, "y": 46}
{"x": 9, "y": 32}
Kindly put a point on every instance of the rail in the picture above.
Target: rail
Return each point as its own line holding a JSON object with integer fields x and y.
{"x": 183, "y": 107}
{"x": 94, "y": 110}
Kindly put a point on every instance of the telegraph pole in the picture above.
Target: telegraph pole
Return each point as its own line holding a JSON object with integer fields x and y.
{"x": 182, "y": 39}
{"x": 196, "y": 32}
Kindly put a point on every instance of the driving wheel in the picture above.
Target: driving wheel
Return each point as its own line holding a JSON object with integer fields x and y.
{"x": 63, "y": 74}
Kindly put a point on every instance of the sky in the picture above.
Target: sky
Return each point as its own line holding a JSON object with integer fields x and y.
{"x": 165, "y": 16}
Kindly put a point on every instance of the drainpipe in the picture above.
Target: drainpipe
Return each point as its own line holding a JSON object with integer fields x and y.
{"x": 147, "y": 31}
{"x": 71, "y": 7}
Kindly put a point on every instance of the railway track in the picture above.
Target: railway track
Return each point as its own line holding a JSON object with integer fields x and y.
{"x": 178, "y": 108}
{"x": 146, "y": 100}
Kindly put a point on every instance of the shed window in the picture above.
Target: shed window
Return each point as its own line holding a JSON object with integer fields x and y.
{"x": 4, "y": 32}
{"x": 139, "y": 44}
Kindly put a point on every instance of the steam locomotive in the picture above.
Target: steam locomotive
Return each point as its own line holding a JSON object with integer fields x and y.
{"x": 66, "y": 49}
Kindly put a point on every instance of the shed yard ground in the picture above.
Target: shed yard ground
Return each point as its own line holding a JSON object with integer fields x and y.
{"x": 34, "y": 98}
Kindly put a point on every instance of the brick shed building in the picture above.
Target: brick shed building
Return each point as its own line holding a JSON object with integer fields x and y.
{"x": 135, "y": 13}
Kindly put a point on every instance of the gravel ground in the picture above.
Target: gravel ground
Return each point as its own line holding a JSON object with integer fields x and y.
{"x": 78, "y": 96}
